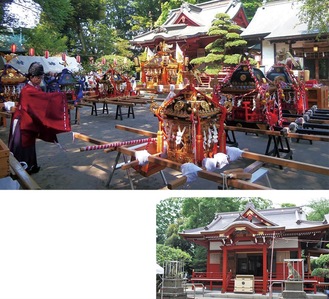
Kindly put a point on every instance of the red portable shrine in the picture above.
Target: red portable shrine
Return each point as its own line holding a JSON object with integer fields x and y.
{"x": 292, "y": 90}
{"x": 191, "y": 126}
{"x": 245, "y": 93}
{"x": 112, "y": 84}
{"x": 103, "y": 87}
{"x": 255, "y": 100}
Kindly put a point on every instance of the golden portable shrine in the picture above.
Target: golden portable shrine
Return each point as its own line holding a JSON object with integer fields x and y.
{"x": 161, "y": 69}
{"x": 191, "y": 126}
{"x": 190, "y": 139}
{"x": 11, "y": 82}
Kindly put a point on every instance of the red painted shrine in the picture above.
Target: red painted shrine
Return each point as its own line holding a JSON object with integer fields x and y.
{"x": 256, "y": 243}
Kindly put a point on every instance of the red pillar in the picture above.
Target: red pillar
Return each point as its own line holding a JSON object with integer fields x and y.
{"x": 224, "y": 269}
{"x": 265, "y": 274}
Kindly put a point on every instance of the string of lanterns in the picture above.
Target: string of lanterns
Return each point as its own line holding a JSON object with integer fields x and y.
{"x": 13, "y": 49}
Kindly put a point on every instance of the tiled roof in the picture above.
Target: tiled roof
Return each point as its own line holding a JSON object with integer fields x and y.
{"x": 202, "y": 14}
{"x": 289, "y": 218}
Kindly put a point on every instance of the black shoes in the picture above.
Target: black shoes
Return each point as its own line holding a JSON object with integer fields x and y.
{"x": 33, "y": 169}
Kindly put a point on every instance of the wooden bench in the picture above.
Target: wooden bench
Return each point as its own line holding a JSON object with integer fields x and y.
{"x": 130, "y": 111}
{"x": 118, "y": 104}
{"x": 127, "y": 102}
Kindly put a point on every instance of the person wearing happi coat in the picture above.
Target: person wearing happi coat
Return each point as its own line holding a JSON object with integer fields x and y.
{"x": 40, "y": 115}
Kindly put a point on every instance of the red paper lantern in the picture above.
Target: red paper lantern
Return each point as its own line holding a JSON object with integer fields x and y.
{"x": 64, "y": 57}
{"x": 78, "y": 58}
{"x": 13, "y": 48}
{"x": 46, "y": 54}
{"x": 31, "y": 52}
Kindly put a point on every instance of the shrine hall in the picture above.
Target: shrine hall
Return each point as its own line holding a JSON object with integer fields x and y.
{"x": 256, "y": 243}
{"x": 188, "y": 26}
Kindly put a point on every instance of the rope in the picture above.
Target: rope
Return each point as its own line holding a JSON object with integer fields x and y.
{"x": 116, "y": 144}
{"x": 225, "y": 177}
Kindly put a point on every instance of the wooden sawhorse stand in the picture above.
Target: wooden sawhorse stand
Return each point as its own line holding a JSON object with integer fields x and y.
{"x": 118, "y": 165}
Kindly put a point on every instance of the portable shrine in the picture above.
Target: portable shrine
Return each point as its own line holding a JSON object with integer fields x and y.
{"x": 245, "y": 92}
{"x": 112, "y": 84}
{"x": 191, "y": 127}
{"x": 11, "y": 83}
{"x": 162, "y": 69}
{"x": 121, "y": 85}
{"x": 291, "y": 89}
{"x": 66, "y": 82}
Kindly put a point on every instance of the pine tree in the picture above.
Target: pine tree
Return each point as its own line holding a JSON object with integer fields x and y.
{"x": 227, "y": 49}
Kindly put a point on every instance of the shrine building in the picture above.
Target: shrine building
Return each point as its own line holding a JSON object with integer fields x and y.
{"x": 188, "y": 26}
{"x": 257, "y": 243}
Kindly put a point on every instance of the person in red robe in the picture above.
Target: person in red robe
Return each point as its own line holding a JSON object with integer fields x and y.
{"x": 39, "y": 115}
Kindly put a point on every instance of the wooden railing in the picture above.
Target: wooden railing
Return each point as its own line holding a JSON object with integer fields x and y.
{"x": 311, "y": 283}
{"x": 207, "y": 274}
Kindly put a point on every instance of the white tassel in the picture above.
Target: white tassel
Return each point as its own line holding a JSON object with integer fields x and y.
{"x": 234, "y": 153}
{"x": 142, "y": 157}
{"x": 190, "y": 170}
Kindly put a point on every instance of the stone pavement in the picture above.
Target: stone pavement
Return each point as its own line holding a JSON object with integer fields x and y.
{"x": 217, "y": 294}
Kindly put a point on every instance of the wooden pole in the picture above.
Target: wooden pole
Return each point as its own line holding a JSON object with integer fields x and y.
{"x": 278, "y": 133}
{"x": 88, "y": 138}
{"x": 24, "y": 179}
{"x": 212, "y": 176}
{"x": 287, "y": 163}
{"x": 236, "y": 183}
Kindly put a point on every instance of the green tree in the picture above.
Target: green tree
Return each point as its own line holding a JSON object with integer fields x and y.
{"x": 45, "y": 37}
{"x": 118, "y": 15}
{"x": 227, "y": 49}
{"x": 167, "y": 253}
{"x": 167, "y": 212}
{"x": 250, "y": 7}
{"x": 84, "y": 14}
{"x": 199, "y": 260}
{"x": 200, "y": 211}
{"x": 319, "y": 209}
{"x": 321, "y": 266}
{"x": 167, "y": 6}
{"x": 315, "y": 13}
{"x": 145, "y": 14}
{"x": 174, "y": 240}
{"x": 287, "y": 205}
{"x": 258, "y": 202}
{"x": 56, "y": 12}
